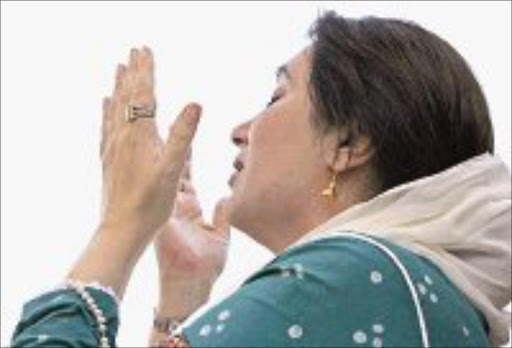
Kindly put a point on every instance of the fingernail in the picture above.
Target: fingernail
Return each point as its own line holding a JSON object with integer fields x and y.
{"x": 192, "y": 113}
{"x": 194, "y": 108}
{"x": 133, "y": 54}
{"x": 120, "y": 68}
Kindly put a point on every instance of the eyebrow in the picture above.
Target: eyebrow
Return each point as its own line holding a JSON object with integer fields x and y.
{"x": 282, "y": 70}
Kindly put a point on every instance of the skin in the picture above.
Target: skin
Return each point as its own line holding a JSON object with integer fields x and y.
{"x": 276, "y": 208}
{"x": 288, "y": 163}
{"x": 148, "y": 193}
{"x": 140, "y": 176}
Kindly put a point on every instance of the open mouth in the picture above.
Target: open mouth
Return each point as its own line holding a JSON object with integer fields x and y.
{"x": 239, "y": 166}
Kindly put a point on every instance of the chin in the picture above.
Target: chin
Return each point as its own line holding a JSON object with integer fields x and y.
{"x": 234, "y": 215}
{"x": 238, "y": 212}
{"x": 247, "y": 206}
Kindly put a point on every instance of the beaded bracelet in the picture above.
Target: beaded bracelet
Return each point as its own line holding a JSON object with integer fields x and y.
{"x": 170, "y": 328}
{"x": 174, "y": 341}
{"x": 93, "y": 308}
{"x": 165, "y": 325}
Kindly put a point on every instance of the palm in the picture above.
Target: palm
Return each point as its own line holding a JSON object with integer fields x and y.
{"x": 186, "y": 245}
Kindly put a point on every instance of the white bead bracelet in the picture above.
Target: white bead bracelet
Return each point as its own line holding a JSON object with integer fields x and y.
{"x": 93, "y": 308}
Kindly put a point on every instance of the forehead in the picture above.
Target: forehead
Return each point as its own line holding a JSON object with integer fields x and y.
{"x": 296, "y": 69}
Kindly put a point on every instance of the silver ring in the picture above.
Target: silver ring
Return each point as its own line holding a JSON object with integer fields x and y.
{"x": 133, "y": 112}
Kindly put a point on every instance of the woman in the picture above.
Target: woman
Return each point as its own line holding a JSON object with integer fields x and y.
{"x": 370, "y": 174}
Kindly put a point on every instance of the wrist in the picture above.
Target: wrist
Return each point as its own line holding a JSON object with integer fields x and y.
{"x": 179, "y": 307}
{"x": 112, "y": 224}
{"x": 179, "y": 299}
{"x": 131, "y": 233}
{"x": 110, "y": 256}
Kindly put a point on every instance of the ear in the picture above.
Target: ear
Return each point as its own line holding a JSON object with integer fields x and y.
{"x": 347, "y": 153}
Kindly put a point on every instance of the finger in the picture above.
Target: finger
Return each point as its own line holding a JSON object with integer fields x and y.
{"x": 118, "y": 97}
{"x": 149, "y": 67}
{"x": 129, "y": 78}
{"x": 134, "y": 58}
{"x": 148, "y": 55}
{"x": 187, "y": 170}
{"x": 141, "y": 76}
{"x": 189, "y": 155}
{"x": 144, "y": 84}
{"x": 221, "y": 217}
{"x": 178, "y": 142}
{"x": 105, "y": 127}
{"x": 120, "y": 73}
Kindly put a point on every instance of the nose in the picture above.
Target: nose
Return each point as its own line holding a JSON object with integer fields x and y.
{"x": 240, "y": 134}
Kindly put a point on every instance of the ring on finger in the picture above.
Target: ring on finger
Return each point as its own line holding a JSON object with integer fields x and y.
{"x": 135, "y": 111}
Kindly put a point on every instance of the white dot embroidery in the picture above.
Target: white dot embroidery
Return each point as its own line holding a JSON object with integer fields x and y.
{"x": 299, "y": 270}
{"x": 378, "y": 328}
{"x": 376, "y": 277}
{"x": 205, "y": 330}
{"x": 377, "y": 342}
{"x": 433, "y": 298}
{"x": 428, "y": 280}
{"x": 422, "y": 288}
{"x": 224, "y": 315}
{"x": 42, "y": 338}
{"x": 359, "y": 337}
{"x": 465, "y": 331}
{"x": 295, "y": 331}
{"x": 220, "y": 327}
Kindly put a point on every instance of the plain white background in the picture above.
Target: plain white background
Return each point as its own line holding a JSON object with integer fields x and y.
{"x": 58, "y": 61}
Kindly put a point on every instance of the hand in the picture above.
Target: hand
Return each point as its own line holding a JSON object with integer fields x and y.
{"x": 140, "y": 173}
{"x": 191, "y": 253}
{"x": 140, "y": 176}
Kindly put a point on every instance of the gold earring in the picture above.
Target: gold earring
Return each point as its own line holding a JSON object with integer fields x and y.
{"x": 331, "y": 190}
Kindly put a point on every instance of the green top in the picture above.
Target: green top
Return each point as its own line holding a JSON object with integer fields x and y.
{"x": 335, "y": 292}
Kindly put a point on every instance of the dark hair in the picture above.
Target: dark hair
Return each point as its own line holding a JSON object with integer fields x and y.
{"x": 405, "y": 88}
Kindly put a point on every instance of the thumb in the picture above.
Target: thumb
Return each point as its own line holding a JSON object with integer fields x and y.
{"x": 177, "y": 146}
{"x": 221, "y": 217}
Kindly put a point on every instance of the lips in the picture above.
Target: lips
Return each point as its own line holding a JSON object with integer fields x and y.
{"x": 238, "y": 164}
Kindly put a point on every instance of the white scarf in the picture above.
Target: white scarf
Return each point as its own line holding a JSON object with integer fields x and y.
{"x": 460, "y": 219}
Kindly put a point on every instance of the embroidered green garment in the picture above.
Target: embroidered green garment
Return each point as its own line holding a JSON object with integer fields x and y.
{"x": 333, "y": 292}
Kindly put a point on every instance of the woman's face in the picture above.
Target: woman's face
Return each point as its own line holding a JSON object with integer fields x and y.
{"x": 280, "y": 168}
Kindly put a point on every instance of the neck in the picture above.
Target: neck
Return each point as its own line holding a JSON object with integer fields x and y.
{"x": 281, "y": 233}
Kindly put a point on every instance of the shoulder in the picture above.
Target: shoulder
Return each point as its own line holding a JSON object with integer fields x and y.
{"x": 331, "y": 292}
{"x": 302, "y": 297}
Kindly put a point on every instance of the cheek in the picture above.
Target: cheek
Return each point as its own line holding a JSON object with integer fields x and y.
{"x": 277, "y": 177}
{"x": 279, "y": 152}
{"x": 270, "y": 138}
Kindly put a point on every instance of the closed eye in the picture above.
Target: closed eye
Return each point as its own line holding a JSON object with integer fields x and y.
{"x": 273, "y": 100}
